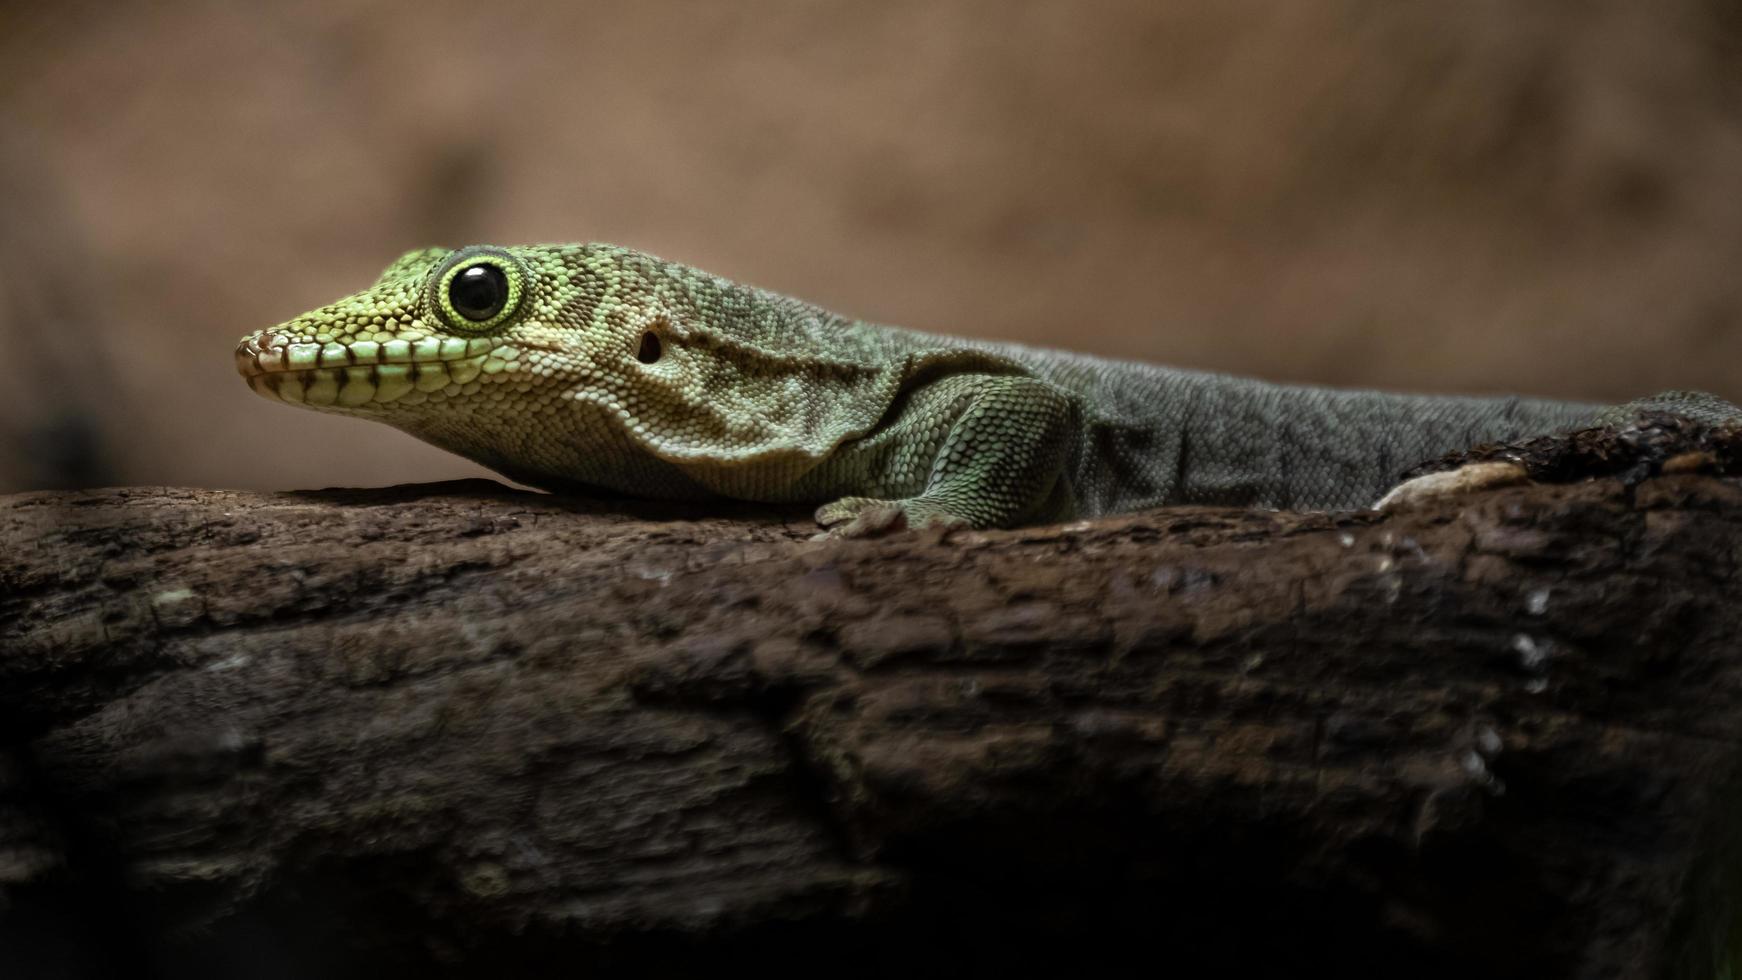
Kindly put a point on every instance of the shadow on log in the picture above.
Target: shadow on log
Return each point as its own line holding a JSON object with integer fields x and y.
{"x": 471, "y": 731}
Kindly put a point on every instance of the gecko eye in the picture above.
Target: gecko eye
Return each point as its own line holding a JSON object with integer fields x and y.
{"x": 479, "y": 292}
{"x": 479, "y": 288}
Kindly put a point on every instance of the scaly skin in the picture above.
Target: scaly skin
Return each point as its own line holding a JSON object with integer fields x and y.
{"x": 606, "y": 367}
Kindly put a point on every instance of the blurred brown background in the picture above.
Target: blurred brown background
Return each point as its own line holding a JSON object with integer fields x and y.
{"x": 1484, "y": 196}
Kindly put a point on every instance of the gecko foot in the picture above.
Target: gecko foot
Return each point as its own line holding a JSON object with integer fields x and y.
{"x": 1468, "y": 478}
{"x": 869, "y": 517}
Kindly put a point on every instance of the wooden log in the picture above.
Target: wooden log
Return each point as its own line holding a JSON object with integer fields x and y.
{"x": 467, "y": 728}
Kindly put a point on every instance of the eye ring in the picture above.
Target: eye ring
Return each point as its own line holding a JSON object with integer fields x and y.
{"x": 478, "y": 290}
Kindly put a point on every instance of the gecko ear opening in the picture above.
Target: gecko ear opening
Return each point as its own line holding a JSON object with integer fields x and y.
{"x": 650, "y": 348}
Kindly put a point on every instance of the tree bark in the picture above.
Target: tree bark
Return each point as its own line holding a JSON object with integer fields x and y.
{"x": 479, "y": 731}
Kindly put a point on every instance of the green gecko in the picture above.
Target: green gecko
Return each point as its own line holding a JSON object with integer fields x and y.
{"x": 575, "y": 366}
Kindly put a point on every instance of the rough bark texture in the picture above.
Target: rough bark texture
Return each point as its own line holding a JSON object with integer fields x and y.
{"x": 477, "y": 731}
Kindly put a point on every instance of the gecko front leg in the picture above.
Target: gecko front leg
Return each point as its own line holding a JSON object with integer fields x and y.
{"x": 1000, "y": 464}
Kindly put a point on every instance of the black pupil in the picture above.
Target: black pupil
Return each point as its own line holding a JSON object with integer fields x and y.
{"x": 479, "y": 292}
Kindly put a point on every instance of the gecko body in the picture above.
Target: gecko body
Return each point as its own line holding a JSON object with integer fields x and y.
{"x": 568, "y": 366}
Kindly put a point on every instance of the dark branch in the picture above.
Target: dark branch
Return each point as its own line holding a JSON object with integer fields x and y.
{"x": 487, "y": 730}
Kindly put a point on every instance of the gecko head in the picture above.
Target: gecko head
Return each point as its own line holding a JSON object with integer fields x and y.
{"x": 569, "y": 362}
{"x": 439, "y": 325}
{"x": 469, "y": 348}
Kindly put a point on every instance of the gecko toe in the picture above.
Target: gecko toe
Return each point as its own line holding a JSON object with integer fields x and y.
{"x": 867, "y": 517}
{"x": 1465, "y": 479}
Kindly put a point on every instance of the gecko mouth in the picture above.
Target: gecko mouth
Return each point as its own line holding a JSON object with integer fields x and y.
{"x": 364, "y": 372}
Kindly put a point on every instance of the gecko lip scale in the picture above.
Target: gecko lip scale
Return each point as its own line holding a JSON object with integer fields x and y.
{"x": 365, "y": 372}
{"x": 269, "y": 352}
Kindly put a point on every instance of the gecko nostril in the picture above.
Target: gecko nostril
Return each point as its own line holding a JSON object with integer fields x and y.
{"x": 650, "y": 348}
